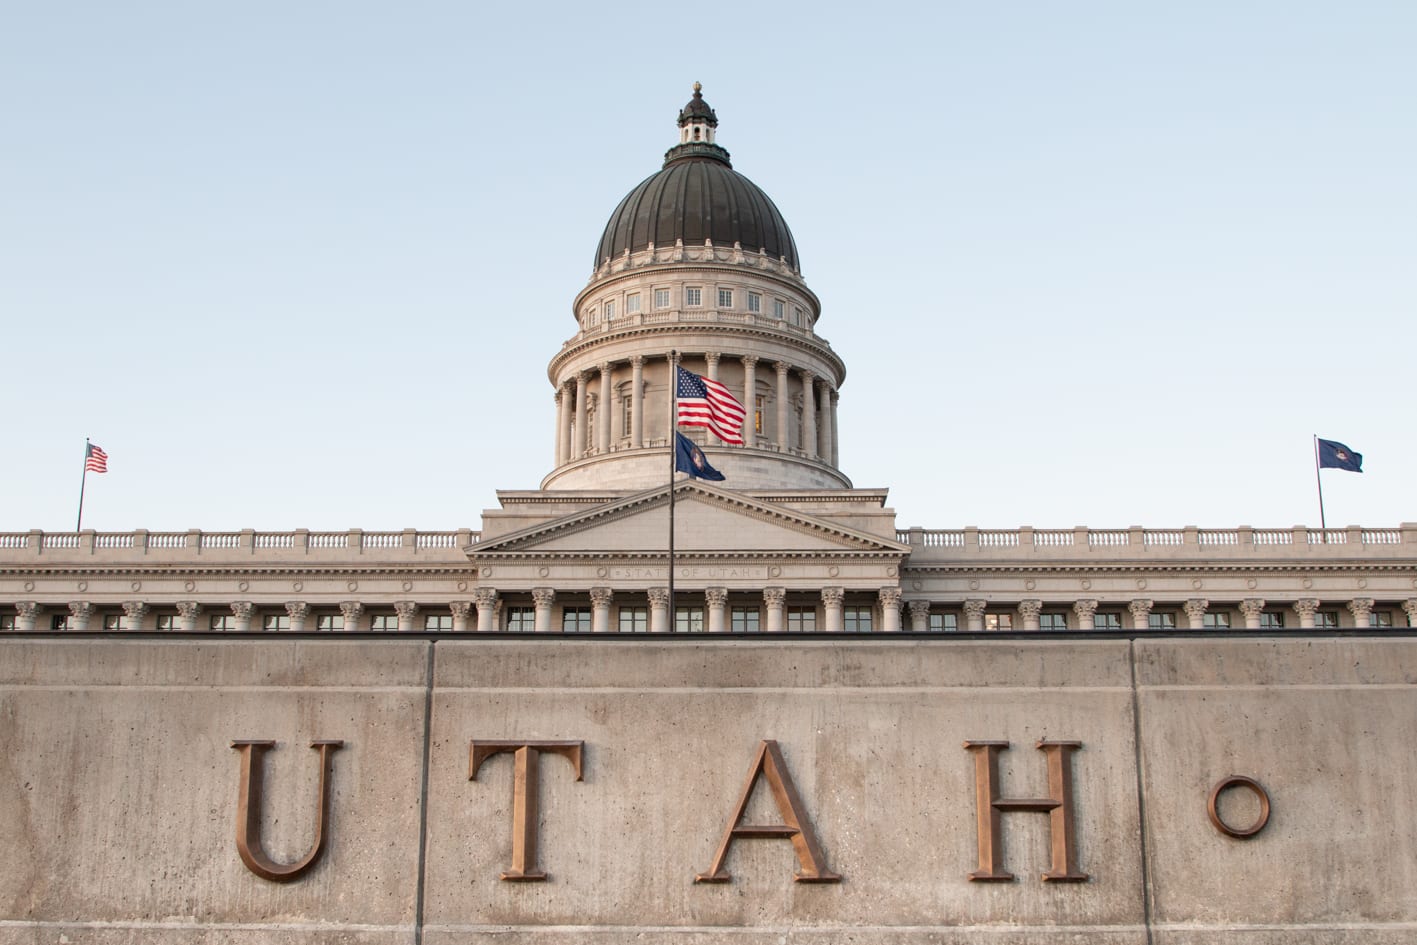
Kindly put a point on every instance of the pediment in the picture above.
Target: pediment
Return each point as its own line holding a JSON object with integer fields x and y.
{"x": 707, "y": 520}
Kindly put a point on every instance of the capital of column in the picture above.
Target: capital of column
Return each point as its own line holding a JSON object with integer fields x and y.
{"x": 406, "y": 609}
{"x": 889, "y": 597}
{"x": 188, "y": 609}
{"x": 1085, "y": 608}
{"x": 26, "y": 609}
{"x": 1030, "y": 609}
{"x": 974, "y": 609}
{"x": 712, "y": 359}
{"x": 1362, "y": 609}
{"x": 1141, "y": 612}
{"x": 460, "y": 609}
{"x": 1409, "y": 607}
{"x": 543, "y": 596}
{"x": 782, "y": 369}
{"x": 716, "y": 596}
{"x": 637, "y": 360}
{"x": 601, "y": 596}
{"x": 297, "y": 609}
{"x": 352, "y": 610}
{"x": 919, "y": 609}
{"x": 1252, "y": 607}
{"x": 81, "y": 609}
{"x": 484, "y": 597}
{"x": 750, "y": 360}
{"x": 809, "y": 380}
{"x": 1306, "y": 607}
{"x": 777, "y": 596}
{"x": 659, "y": 596}
{"x": 1195, "y": 608}
{"x": 137, "y": 610}
{"x": 833, "y": 596}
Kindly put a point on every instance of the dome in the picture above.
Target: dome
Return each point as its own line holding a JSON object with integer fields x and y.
{"x": 697, "y": 197}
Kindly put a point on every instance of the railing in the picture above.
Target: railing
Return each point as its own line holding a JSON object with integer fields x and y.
{"x": 221, "y": 540}
{"x": 1328, "y": 536}
{"x": 1272, "y": 536}
{"x": 436, "y": 540}
{"x": 998, "y": 539}
{"x": 1108, "y": 538}
{"x": 1047, "y": 538}
{"x": 167, "y": 539}
{"x": 1238, "y": 540}
{"x": 116, "y": 540}
{"x": 1381, "y": 536}
{"x": 274, "y": 540}
{"x": 383, "y": 539}
{"x": 1163, "y": 538}
{"x": 328, "y": 540}
{"x": 14, "y": 540}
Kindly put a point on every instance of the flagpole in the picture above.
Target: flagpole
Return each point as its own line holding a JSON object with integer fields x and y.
{"x": 1323, "y": 524}
{"x": 673, "y": 466}
{"x": 83, "y": 481}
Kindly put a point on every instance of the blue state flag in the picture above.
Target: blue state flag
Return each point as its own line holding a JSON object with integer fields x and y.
{"x": 1334, "y": 455}
{"x": 688, "y": 458}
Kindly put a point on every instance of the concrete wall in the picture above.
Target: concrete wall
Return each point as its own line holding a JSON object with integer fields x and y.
{"x": 118, "y": 789}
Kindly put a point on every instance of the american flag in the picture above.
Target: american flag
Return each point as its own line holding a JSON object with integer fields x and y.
{"x": 704, "y": 402}
{"x": 95, "y": 459}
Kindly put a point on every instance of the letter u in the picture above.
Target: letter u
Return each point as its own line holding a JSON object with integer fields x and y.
{"x": 248, "y": 811}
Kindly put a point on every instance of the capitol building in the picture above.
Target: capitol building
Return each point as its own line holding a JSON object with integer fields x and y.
{"x": 1164, "y": 689}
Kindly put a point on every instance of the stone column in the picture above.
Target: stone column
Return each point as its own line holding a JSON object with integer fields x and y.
{"x": 298, "y": 611}
{"x": 1409, "y": 607}
{"x": 1362, "y": 610}
{"x": 1306, "y": 608}
{"x": 1028, "y": 612}
{"x": 659, "y": 610}
{"x": 711, "y": 359}
{"x": 836, "y": 436}
{"x": 580, "y": 436}
{"x": 974, "y": 615}
{"x": 27, "y": 611}
{"x": 1252, "y": 607}
{"x": 824, "y": 420}
{"x": 82, "y": 612}
{"x": 890, "y": 609}
{"x": 784, "y": 432}
{"x": 1195, "y": 609}
{"x": 135, "y": 610}
{"x": 775, "y": 600}
{"x": 568, "y": 430}
{"x": 542, "y": 598}
{"x": 919, "y": 615}
{"x": 353, "y": 612}
{"x": 717, "y": 600}
{"x": 1141, "y": 613}
{"x": 188, "y": 611}
{"x": 1087, "y": 614}
{"x": 750, "y": 398}
{"x": 461, "y": 611}
{"x": 604, "y": 411}
{"x": 486, "y": 600}
{"x": 408, "y": 613}
{"x": 600, "y": 598}
{"x": 637, "y": 401}
{"x": 243, "y": 611}
{"x": 832, "y": 598}
{"x": 560, "y": 426}
{"x": 809, "y": 414}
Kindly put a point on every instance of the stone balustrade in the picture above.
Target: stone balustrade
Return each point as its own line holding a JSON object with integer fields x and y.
{"x": 20, "y": 545}
{"x": 1128, "y": 542}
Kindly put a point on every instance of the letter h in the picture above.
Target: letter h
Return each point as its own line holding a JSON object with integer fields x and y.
{"x": 990, "y": 808}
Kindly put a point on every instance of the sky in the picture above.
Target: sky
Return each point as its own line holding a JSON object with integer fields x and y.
{"x": 303, "y": 264}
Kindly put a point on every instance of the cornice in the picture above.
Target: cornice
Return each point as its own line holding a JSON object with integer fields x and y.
{"x": 815, "y": 345}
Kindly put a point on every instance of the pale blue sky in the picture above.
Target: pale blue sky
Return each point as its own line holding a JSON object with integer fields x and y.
{"x": 303, "y": 264}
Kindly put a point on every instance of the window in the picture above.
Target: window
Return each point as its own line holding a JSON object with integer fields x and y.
{"x": 438, "y": 622}
{"x": 693, "y": 296}
{"x": 1162, "y": 621}
{"x": 943, "y": 623}
{"x": 7, "y": 621}
{"x": 725, "y": 298}
{"x": 796, "y": 315}
{"x": 759, "y": 405}
{"x": 1052, "y": 621}
{"x": 592, "y": 317}
{"x": 634, "y": 620}
{"x": 1107, "y": 621}
{"x": 779, "y": 308}
{"x": 661, "y": 298}
{"x": 575, "y": 619}
{"x": 1219, "y": 621}
{"x": 609, "y": 309}
{"x": 856, "y": 619}
{"x": 329, "y": 622}
{"x": 276, "y": 622}
{"x": 113, "y": 621}
{"x": 223, "y": 622}
{"x": 1382, "y": 618}
{"x": 755, "y": 302}
{"x": 521, "y": 619}
{"x": 689, "y": 620}
{"x": 632, "y": 303}
{"x": 802, "y": 619}
{"x": 60, "y": 622}
{"x": 385, "y": 622}
{"x": 1269, "y": 621}
{"x": 998, "y": 621}
{"x": 167, "y": 622}
{"x": 1326, "y": 619}
{"x": 744, "y": 620}
{"x": 626, "y": 415}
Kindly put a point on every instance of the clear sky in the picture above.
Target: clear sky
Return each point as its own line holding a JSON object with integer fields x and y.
{"x": 303, "y": 264}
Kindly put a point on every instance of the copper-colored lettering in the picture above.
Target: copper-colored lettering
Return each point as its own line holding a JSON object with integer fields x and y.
{"x": 525, "y": 795}
{"x": 1212, "y": 806}
{"x": 248, "y": 810}
{"x": 770, "y": 764}
{"x": 990, "y": 808}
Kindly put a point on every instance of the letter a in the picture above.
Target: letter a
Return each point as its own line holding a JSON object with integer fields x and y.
{"x": 248, "y": 811}
{"x": 770, "y": 764}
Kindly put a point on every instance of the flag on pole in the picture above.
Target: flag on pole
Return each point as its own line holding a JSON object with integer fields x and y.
{"x": 704, "y": 402}
{"x": 688, "y": 458}
{"x": 1334, "y": 455}
{"x": 95, "y": 459}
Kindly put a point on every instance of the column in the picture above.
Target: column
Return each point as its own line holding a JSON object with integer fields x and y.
{"x": 408, "y": 613}
{"x": 658, "y": 610}
{"x": 831, "y": 606}
{"x": 567, "y": 447}
{"x": 353, "y": 612}
{"x": 1306, "y": 608}
{"x": 560, "y": 426}
{"x": 461, "y": 610}
{"x": 836, "y": 438}
{"x": 1028, "y": 611}
{"x": 604, "y": 412}
{"x": 543, "y": 598}
{"x": 580, "y": 438}
{"x": 600, "y": 598}
{"x": 890, "y": 609}
{"x": 27, "y": 611}
{"x": 1195, "y": 609}
{"x": 717, "y": 600}
{"x": 1252, "y": 607}
{"x": 784, "y": 433}
{"x": 637, "y": 401}
{"x": 243, "y": 610}
{"x": 919, "y": 615}
{"x": 133, "y": 613}
{"x": 824, "y": 419}
{"x": 1087, "y": 612}
{"x": 188, "y": 611}
{"x": 775, "y": 599}
{"x": 974, "y": 615}
{"x": 1141, "y": 614}
{"x": 82, "y": 612}
{"x": 750, "y": 398}
{"x": 1409, "y": 607}
{"x": 1362, "y": 610}
{"x": 711, "y": 359}
{"x": 298, "y": 611}
{"x": 486, "y": 600}
{"x": 809, "y": 414}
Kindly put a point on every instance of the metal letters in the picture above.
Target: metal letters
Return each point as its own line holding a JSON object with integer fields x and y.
{"x": 248, "y": 810}
{"x": 525, "y": 795}
{"x": 1238, "y": 780}
{"x": 769, "y": 763}
{"x": 989, "y": 808}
